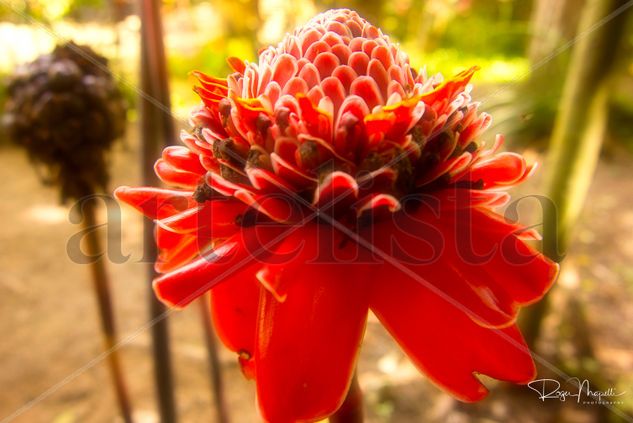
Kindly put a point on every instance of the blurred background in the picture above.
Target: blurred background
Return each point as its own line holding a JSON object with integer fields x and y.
{"x": 545, "y": 64}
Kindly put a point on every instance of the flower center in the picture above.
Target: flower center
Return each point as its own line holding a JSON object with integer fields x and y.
{"x": 335, "y": 107}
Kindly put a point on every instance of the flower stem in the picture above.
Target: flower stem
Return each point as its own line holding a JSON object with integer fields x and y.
{"x": 217, "y": 386}
{"x": 104, "y": 300}
{"x": 156, "y": 132}
{"x": 352, "y": 409}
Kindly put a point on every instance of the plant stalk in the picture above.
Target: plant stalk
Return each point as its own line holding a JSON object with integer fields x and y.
{"x": 156, "y": 132}
{"x": 106, "y": 313}
{"x": 215, "y": 367}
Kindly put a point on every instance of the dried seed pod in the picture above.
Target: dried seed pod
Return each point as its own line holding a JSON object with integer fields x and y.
{"x": 66, "y": 110}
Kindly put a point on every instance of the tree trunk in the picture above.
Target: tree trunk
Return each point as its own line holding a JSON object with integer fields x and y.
{"x": 553, "y": 23}
{"x": 578, "y": 132}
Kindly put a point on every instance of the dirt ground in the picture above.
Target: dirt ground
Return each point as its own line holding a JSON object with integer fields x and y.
{"x": 50, "y": 337}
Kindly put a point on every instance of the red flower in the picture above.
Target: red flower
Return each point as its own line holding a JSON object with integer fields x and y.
{"x": 330, "y": 179}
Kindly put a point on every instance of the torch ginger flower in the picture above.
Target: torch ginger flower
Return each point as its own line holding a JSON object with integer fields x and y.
{"x": 330, "y": 179}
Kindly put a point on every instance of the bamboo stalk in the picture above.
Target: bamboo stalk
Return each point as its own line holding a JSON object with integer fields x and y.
{"x": 576, "y": 142}
{"x": 578, "y": 134}
{"x": 215, "y": 369}
{"x": 351, "y": 411}
{"x": 156, "y": 132}
{"x": 106, "y": 313}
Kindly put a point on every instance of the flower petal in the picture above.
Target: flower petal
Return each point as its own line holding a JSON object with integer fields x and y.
{"x": 303, "y": 366}
{"x": 336, "y": 186}
{"x": 515, "y": 267}
{"x": 155, "y": 203}
{"x": 216, "y": 218}
{"x": 234, "y": 313}
{"x": 183, "y": 158}
{"x": 280, "y": 208}
{"x": 447, "y": 345}
{"x": 183, "y": 251}
{"x": 185, "y": 284}
{"x": 416, "y": 243}
{"x": 374, "y": 203}
{"x": 503, "y": 169}
{"x": 171, "y": 175}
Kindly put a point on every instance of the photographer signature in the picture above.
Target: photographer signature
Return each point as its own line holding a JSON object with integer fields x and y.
{"x": 551, "y": 389}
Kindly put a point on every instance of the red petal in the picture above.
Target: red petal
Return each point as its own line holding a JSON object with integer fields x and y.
{"x": 285, "y": 68}
{"x": 176, "y": 177}
{"x": 185, "y": 250}
{"x": 184, "y": 159}
{"x": 310, "y": 74}
{"x": 216, "y": 218}
{"x": 296, "y": 86}
{"x": 309, "y": 244}
{"x": 444, "y": 343}
{"x": 334, "y": 89}
{"x": 167, "y": 240}
{"x": 194, "y": 145}
{"x": 155, "y": 203}
{"x": 378, "y": 73}
{"x": 183, "y": 222}
{"x": 186, "y": 283}
{"x": 417, "y": 245}
{"x": 236, "y": 64}
{"x": 378, "y": 124}
{"x": 209, "y": 81}
{"x": 524, "y": 273}
{"x": 326, "y": 62}
{"x": 234, "y": 308}
{"x": 346, "y": 75}
{"x": 318, "y": 123}
{"x": 358, "y": 61}
{"x": 449, "y": 167}
{"x": 366, "y": 88}
{"x": 503, "y": 169}
{"x": 291, "y": 173}
{"x": 280, "y": 208}
{"x": 222, "y": 185}
{"x": 448, "y": 89}
{"x": 374, "y": 203}
{"x": 266, "y": 181}
{"x": 471, "y": 198}
{"x": 337, "y": 186}
{"x": 305, "y": 352}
